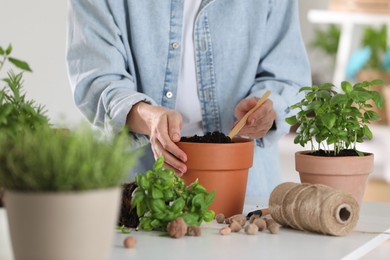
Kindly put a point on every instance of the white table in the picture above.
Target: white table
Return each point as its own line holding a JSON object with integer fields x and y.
{"x": 288, "y": 244}
{"x": 347, "y": 21}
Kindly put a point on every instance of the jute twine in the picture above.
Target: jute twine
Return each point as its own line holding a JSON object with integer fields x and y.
{"x": 314, "y": 208}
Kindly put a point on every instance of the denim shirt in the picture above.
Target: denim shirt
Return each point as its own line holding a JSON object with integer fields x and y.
{"x": 120, "y": 52}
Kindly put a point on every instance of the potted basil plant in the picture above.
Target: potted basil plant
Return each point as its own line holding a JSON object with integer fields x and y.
{"x": 333, "y": 120}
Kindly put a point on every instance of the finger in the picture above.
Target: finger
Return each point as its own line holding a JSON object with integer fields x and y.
{"x": 178, "y": 173}
{"x": 169, "y": 158}
{"x": 264, "y": 112}
{"x": 174, "y": 127}
{"x": 244, "y": 106}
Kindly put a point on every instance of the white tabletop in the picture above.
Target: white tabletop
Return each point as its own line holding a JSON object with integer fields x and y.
{"x": 287, "y": 244}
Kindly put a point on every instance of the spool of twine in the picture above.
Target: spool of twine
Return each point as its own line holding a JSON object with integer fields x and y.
{"x": 314, "y": 207}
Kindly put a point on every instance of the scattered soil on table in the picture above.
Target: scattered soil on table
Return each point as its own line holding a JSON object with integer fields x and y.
{"x": 214, "y": 137}
{"x": 128, "y": 216}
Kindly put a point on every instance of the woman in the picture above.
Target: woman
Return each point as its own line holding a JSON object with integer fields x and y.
{"x": 169, "y": 68}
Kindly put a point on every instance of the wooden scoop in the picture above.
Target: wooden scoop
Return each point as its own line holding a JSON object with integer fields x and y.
{"x": 243, "y": 120}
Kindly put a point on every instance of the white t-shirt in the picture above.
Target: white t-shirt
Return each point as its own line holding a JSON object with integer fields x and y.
{"x": 187, "y": 100}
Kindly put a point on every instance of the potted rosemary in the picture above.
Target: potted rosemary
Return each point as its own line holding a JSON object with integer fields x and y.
{"x": 333, "y": 120}
{"x": 61, "y": 188}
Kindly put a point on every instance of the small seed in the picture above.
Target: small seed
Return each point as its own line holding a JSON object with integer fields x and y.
{"x": 251, "y": 229}
{"x": 225, "y": 231}
{"x": 129, "y": 242}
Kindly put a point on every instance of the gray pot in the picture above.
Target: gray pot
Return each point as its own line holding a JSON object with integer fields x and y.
{"x": 62, "y": 225}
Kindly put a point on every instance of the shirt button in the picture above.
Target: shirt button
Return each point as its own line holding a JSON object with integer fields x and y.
{"x": 169, "y": 94}
{"x": 175, "y": 45}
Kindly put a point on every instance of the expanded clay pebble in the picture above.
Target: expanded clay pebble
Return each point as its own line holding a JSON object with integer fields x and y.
{"x": 241, "y": 219}
{"x": 235, "y": 226}
{"x": 272, "y": 226}
{"x": 129, "y": 242}
{"x": 260, "y": 223}
{"x": 251, "y": 229}
{"x": 225, "y": 231}
{"x": 252, "y": 218}
{"x": 220, "y": 218}
{"x": 194, "y": 231}
{"x": 177, "y": 228}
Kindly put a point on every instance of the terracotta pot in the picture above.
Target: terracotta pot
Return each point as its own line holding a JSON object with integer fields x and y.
{"x": 347, "y": 173}
{"x": 63, "y": 225}
{"x": 222, "y": 168}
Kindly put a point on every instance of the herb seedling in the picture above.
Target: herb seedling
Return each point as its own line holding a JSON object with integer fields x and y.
{"x": 328, "y": 117}
{"x": 17, "y": 112}
{"x": 123, "y": 229}
{"x": 162, "y": 196}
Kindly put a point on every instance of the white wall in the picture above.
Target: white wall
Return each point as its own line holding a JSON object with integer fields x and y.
{"x": 37, "y": 31}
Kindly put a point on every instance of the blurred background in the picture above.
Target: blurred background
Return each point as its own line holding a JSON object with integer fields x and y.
{"x": 350, "y": 45}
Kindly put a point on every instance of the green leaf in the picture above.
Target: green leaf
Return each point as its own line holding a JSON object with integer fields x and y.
{"x": 378, "y": 99}
{"x": 208, "y": 215}
{"x": 292, "y": 120}
{"x": 209, "y": 198}
{"x": 326, "y": 86}
{"x": 305, "y": 89}
{"x": 157, "y": 205}
{"x": 20, "y": 64}
{"x": 329, "y": 120}
{"x": 376, "y": 82}
{"x": 178, "y": 205}
{"x": 156, "y": 193}
{"x": 137, "y": 197}
{"x": 323, "y": 94}
{"x": 2, "y": 52}
{"x": 371, "y": 115}
{"x": 158, "y": 165}
{"x": 339, "y": 99}
{"x": 8, "y": 50}
{"x": 346, "y": 86}
{"x": 192, "y": 219}
{"x": 142, "y": 181}
{"x": 367, "y": 132}
{"x": 360, "y": 96}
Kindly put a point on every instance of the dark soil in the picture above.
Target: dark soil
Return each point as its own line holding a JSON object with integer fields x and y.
{"x": 214, "y": 137}
{"x": 128, "y": 216}
{"x": 345, "y": 152}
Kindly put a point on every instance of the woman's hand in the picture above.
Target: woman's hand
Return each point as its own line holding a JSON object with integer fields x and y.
{"x": 163, "y": 126}
{"x": 259, "y": 122}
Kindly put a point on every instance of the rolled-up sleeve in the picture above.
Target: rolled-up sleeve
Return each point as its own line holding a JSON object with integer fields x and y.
{"x": 98, "y": 66}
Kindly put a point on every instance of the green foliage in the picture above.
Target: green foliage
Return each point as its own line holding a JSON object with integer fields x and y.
{"x": 162, "y": 196}
{"x": 16, "y": 111}
{"x": 376, "y": 40}
{"x": 327, "y": 40}
{"x": 341, "y": 119}
{"x": 52, "y": 160}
